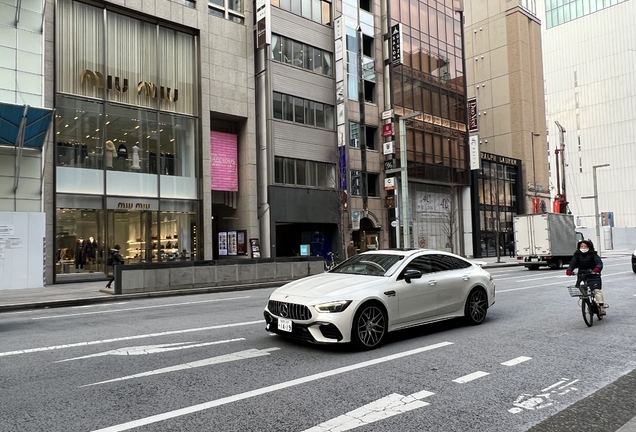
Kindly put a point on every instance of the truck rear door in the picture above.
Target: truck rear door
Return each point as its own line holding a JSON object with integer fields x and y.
{"x": 541, "y": 235}
{"x": 523, "y": 236}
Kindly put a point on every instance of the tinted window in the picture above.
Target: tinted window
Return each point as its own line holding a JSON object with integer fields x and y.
{"x": 423, "y": 264}
{"x": 368, "y": 264}
{"x": 441, "y": 263}
{"x": 447, "y": 262}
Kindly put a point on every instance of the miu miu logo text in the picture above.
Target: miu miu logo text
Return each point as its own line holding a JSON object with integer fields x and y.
{"x": 96, "y": 79}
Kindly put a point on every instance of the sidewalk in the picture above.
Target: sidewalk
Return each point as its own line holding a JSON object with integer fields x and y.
{"x": 83, "y": 293}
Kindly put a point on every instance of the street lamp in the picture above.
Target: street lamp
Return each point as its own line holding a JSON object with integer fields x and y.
{"x": 596, "y": 213}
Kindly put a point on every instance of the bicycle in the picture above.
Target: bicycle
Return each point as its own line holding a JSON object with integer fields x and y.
{"x": 332, "y": 262}
{"x": 587, "y": 299}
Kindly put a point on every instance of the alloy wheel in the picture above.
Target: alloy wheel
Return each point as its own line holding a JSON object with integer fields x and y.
{"x": 371, "y": 326}
{"x": 477, "y": 306}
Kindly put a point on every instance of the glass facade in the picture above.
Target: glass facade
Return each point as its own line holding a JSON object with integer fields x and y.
{"x": 497, "y": 189}
{"x": 431, "y": 80}
{"x": 126, "y": 138}
{"x": 559, "y": 12}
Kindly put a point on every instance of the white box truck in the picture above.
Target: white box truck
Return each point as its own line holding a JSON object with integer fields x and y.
{"x": 547, "y": 239}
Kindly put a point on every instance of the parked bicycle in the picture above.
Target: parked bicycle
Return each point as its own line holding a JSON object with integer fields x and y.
{"x": 332, "y": 261}
{"x": 586, "y": 292}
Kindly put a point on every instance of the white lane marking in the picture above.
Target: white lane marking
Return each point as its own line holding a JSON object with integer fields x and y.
{"x": 152, "y": 349}
{"x": 550, "y": 284}
{"x": 548, "y": 277}
{"x": 264, "y": 390}
{"x": 516, "y": 361}
{"x": 241, "y": 355}
{"x": 569, "y": 384}
{"x": 375, "y": 411}
{"x": 141, "y": 308}
{"x": 563, "y": 380}
{"x": 534, "y": 279}
{"x": 127, "y": 338}
{"x": 470, "y": 377}
{"x": 99, "y": 305}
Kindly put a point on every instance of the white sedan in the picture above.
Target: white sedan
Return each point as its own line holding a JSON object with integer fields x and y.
{"x": 376, "y": 292}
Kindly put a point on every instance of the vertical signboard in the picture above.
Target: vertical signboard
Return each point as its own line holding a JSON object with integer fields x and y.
{"x": 473, "y": 125}
{"x": 396, "y": 45}
{"x": 263, "y": 23}
{"x": 475, "y": 157}
{"x": 224, "y": 161}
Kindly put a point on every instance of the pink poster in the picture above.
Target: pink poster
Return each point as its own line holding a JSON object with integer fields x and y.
{"x": 224, "y": 163}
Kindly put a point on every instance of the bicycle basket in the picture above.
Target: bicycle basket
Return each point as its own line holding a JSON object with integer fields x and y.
{"x": 577, "y": 292}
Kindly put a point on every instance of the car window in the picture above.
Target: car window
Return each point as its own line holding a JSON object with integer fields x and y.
{"x": 459, "y": 263}
{"x": 369, "y": 264}
{"x": 441, "y": 263}
{"x": 421, "y": 263}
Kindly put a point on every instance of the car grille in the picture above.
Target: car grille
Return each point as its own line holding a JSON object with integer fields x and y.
{"x": 289, "y": 310}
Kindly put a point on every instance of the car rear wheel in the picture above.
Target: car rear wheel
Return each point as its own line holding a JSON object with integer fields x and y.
{"x": 369, "y": 326}
{"x": 476, "y": 307}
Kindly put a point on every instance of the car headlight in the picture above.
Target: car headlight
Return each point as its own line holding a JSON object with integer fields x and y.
{"x": 332, "y": 307}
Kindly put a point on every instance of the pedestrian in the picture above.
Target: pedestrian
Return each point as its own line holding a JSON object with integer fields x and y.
{"x": 114, "y": 259}
{"x": 351, "y": 250}
{"x": 511, "y": 248}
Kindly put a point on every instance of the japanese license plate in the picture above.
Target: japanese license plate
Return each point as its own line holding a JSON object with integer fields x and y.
{"x": 284, "y": 325}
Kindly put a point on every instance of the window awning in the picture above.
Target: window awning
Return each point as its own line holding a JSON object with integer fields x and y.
{"x": 23, "y": 125}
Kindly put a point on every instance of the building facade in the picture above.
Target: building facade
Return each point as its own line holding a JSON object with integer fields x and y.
{"x": 326, "y": 92}
{"x": 154, "y": 143}
{"x": 506, "y": 120}
{"x": 590, "y": 55}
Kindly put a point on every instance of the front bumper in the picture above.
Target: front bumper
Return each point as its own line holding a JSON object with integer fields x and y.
{"x": 314, "y": 331}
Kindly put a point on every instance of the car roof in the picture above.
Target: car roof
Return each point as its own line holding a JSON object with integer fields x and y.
{"x": 411, "y": 252}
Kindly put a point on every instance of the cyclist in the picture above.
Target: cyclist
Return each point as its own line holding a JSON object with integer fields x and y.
{"x": 586, "y": 259}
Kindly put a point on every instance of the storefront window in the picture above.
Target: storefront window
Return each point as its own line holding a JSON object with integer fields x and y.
{"x": 177, "y": 139}
{"x": 136, "y": 232}
{"x": 178, "y": 236}
{"x": 79, "y": 241}
{"x": 79, "y": 145}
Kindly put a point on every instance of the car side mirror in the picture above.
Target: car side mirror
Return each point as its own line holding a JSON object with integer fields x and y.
{"x": 412, "y": 274}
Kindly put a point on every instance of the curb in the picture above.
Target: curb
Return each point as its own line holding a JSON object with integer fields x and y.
{"x": 152, "y": 294}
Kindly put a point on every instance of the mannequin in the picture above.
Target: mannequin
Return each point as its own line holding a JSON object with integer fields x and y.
{"x": 135, "y": 158}
{"x": 110, "y": 152}
{"x": 91, "y": 249}
{"x": 80, "y": 253}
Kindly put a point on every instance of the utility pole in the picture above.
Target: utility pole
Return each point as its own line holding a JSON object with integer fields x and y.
{"x": 406, "y": 229}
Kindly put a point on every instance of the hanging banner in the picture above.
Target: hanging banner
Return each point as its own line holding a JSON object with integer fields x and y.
{"x": 355, "y": 220}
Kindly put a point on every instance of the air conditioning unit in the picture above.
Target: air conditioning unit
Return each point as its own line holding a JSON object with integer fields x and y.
{"x": 388, "y": 147}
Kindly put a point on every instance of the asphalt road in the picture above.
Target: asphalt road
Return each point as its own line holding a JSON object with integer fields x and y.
{"x": 205, "y": 363}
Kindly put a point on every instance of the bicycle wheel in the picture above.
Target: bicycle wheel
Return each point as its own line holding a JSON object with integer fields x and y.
{"x": 588, "y": 314}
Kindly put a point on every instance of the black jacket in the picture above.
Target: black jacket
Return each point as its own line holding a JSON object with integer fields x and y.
{"x": 585, "y": 261}
{"x": 116, "y": 257}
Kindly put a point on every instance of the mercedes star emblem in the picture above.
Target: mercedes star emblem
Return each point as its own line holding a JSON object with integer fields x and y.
{"x": 284, "y": 310}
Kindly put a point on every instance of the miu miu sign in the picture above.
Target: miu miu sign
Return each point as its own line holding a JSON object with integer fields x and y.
{"x": 96, "y": 79}
{"x": 133, "y": 206}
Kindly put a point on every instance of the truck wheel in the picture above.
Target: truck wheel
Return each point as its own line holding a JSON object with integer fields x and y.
{"x": 533, "y": 267}
{"x": 556, "y": 265}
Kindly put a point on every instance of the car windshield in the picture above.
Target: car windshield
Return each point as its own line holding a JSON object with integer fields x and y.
{"x": 369, "y": 264}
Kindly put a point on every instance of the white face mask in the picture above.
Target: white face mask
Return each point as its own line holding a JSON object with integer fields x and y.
{"x": 584, "y": 250}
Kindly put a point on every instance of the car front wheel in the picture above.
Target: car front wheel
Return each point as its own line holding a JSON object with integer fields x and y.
{"x": 369, "y": 326}
{"x": 476, "y": 307}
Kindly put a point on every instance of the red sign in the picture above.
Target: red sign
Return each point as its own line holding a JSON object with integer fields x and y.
{"x": 387, "y": 129}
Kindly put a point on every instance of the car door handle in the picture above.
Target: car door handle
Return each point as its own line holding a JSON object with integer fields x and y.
{"x": 389, "y": 293}
{"x": 466, "y": 277}
{"x": 432, "y": 282}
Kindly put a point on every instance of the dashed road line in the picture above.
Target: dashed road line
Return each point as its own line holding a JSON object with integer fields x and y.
{"x": 471, "y": 377}
{"x": 516, "y": 361}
